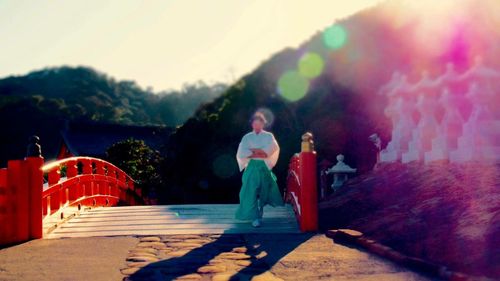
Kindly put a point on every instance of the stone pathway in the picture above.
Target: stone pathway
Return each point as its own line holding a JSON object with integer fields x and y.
{"x": 75, "y": 259}
{"x": 255, "y": 257}
{"x": 195, "y": 257}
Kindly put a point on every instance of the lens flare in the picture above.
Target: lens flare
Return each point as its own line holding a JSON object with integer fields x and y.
{"x": 335, "y": 36}
{"x": 224, "y": 166}
{"x": 293, "y": 86}
{"x": 311, "y": 65}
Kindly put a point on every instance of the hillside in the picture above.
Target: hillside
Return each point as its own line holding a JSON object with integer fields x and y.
{"x": 329, "y": 85}
{"x": 41, "y": 101}
{"x": 200, "y": 157}
{"x": 445, "y": 213}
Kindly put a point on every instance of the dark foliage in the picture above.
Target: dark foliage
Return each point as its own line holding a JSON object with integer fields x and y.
{"x": 197, "y": 149}
{"x": 40, "y": 102}
{"x": 139, "y": 161}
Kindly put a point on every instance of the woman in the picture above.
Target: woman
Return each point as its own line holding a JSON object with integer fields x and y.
{"x": 257, "y": 154}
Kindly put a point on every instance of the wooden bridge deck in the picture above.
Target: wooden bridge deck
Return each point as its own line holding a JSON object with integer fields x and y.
{"x": 171, "y": 219}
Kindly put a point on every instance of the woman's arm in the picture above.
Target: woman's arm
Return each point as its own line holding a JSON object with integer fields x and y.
{"x": 243, "y": 153}
{"x": 258, "y": 153}
{"x": 272, "y": 151}
{"x": 271, "y": 147}
{"x": 243, "y": 149}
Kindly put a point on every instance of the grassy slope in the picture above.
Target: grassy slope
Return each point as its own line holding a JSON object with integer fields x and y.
{"x": 446, "y": 213}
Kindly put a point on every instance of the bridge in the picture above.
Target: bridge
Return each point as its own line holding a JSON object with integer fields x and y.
{"x": 85, "y": 197}
{"x": 169, "y": 220}
{"x": 88, "y": 200}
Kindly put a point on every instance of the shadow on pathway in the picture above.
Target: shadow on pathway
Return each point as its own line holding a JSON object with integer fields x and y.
{"x": 230, "y": 256}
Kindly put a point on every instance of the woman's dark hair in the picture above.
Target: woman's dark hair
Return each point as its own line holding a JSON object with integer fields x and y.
{"x": 259, "y": 116}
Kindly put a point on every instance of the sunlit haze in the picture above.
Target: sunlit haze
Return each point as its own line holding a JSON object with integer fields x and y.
{"x": 162, "y": 44}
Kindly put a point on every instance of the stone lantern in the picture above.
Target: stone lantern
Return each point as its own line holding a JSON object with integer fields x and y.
{"x": 340, "y": 172}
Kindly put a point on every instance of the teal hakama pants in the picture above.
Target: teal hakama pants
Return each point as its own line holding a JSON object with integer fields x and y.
{"x": 259, "y": 189}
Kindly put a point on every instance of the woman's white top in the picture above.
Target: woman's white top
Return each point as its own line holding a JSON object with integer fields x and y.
{"x": 263, "y": 140}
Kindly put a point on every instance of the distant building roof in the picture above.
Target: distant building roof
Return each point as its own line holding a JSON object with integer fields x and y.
{"x": 93, "y": 139}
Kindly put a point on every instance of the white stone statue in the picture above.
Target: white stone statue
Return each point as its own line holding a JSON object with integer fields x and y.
{"x": 449, "y": 129}
{"x": 402, "y": 124}
{"x": 425, "y": 131}
{"x": 469, "y": 128}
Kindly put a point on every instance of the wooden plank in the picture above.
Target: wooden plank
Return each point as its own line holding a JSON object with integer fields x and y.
{"x": 180, "y": 207}
{"x": 269, "y": 222}
{"x": 168, "y": 217}
{"x": 179, "y": 211}
{"x": 176, "y": 208}
{"x": 172, "y": 221}
{"x": 176, "y": 219}
{"x": 178, "y": 215}
{"x": 229, "y": 225}
{"x": 128, "y": 213}
{"x": 170, "y": 232}
{"x": 197, "y": 206}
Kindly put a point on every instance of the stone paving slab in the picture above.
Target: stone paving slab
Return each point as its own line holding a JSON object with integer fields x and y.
{"x": 256, "y": 257}
{"x": 75, "y": 259}
{"x": 204, "y": 257}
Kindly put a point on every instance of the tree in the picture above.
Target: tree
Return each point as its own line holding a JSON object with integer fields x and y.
{"x": 41, "y": 102}
{"x": 139, "y": 161}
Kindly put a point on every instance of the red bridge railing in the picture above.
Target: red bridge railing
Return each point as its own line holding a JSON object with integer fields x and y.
{"x": 301, "y": 189}
{"x": 31, "y": 191}
{"x": 86, "y": 181}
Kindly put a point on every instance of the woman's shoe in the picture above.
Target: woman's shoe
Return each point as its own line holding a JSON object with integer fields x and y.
{"x": 256, "y": 223}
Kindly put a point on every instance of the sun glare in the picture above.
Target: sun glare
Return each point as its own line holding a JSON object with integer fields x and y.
{"x": 292, "y": 85}
{"x": 335, "y": 36}
{"x": 311, "y": 65}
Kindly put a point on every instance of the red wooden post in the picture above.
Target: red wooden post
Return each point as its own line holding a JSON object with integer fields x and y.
{"x": 309, "y": 193}
{"x": 87, "y": 170}
{"x": 54, "y": 176}
{"x": 71, "y": 172}
{"x": 74, "y": 192}
{"x": 111, "y": 172}
{"x": 87, "y": 188}
{"x": 308, "y": 185}
{"x": 122, "y": 177}
{"x": 87, "y": 166}
{"x": 56, "y": 198}
{"x": 81, "y": 190}
{"x": 118, "y": 190}
{"x": 35, "y": 177}
{"x": 45, "y": 206}
{"x": 103, "y": 188}
{"x": 64, "y": 195}
{"x": 6, "y": 221}
{"x": 99, "y": 168}
{"x": 55, "y": 201}
{"x": 71, "y": 169}
{"x": 19, "y": 186}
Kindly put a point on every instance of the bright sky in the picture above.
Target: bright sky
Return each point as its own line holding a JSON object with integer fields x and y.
{"x": 162, "y": 44}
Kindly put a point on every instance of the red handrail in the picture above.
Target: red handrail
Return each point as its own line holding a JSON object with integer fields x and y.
{"x": 301, "y": 189}
{"x": 88, "y": 182}
{"x": 25, "y": 200}
{"x": 293, "y": 184}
